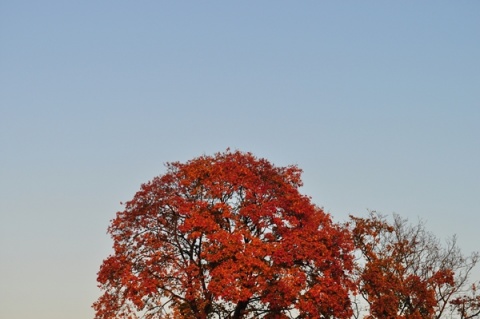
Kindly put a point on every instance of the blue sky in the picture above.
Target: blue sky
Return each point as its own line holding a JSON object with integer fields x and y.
{"x": 378, "y": 103}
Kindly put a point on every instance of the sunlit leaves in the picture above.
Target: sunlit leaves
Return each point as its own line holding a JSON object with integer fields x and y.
{"x": 230, "y": 236}
{"x": 225, "y": 236}
{"x": 404, "y": 272}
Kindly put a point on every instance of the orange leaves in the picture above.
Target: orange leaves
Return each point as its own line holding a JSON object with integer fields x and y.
{"x": 468, "y": 304}
{"x": 443, "y": 277}
{"x": 228, "y": 234}
{"x": 403, "y": 271}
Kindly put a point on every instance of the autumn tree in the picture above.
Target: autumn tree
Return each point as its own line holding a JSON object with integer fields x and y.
{"x": 226, "y": 236}
{"x": 404, "y": 272}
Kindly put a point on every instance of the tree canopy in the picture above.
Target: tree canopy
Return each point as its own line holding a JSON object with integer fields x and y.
{"x": 226, "y": 236}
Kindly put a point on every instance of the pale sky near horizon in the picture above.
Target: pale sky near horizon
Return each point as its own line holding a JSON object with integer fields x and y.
{"x": 377, "y": 101}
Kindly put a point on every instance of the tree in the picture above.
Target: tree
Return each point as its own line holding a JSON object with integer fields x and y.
{"x": 225, "y": 236}
{"x": 404, "y": 272}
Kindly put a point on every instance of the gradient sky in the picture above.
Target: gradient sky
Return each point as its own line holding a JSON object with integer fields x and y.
{"x": 377, "y": 101}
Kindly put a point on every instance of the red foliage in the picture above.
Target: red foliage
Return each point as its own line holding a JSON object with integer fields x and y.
{"x": 468, "y": 306}
{"x": 397, "y": 274}
{"x": 227, "y": 236}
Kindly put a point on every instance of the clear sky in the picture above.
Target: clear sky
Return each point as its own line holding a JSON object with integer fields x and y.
{"x": 377, "y": 101}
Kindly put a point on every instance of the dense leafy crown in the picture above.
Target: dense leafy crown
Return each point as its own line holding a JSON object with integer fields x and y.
{"x": 225, "y": 236}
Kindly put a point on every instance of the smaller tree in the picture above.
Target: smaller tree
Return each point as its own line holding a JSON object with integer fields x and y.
{"x": 404, "y": 272}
